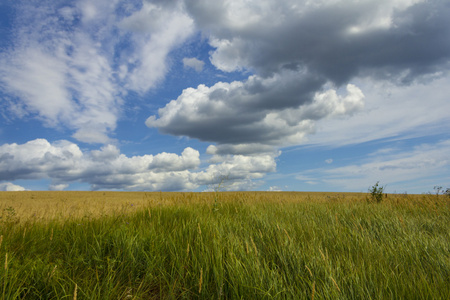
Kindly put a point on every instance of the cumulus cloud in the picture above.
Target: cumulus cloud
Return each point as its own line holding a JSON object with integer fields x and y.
{"x": 58, "y": 187}
{"x": 64, "y": 162}
{"x": 193, "y": 63}
{"x": 236, "y": 172}
{"x": 320, "y": 72}
{"x": 72, "y": 66}
{"x": 301, "y": 54}
{"x": 239, "y": 167}
{"x": 275, "y": 189}
{"x": 249, "y": 116}
{"x": 10, "y": 187}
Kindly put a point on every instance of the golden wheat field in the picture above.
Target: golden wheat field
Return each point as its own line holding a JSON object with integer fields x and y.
{"x": 53, "y": 205}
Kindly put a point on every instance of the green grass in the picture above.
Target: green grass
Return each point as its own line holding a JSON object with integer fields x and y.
{"x": 240, "y": 249}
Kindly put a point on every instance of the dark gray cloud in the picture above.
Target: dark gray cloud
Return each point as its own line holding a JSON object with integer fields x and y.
{"x": 228, "y": 113}
{"x": 300, "y": 54}
{"x": 336, "y": 41}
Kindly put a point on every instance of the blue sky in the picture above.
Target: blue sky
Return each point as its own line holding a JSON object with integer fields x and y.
{"x": 262, "y": 95}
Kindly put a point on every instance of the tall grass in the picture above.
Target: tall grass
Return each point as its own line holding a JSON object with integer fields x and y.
{"x": 244, "y": 246}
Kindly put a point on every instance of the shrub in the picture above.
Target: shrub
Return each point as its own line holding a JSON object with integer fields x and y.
{"x": 437, "y": 189}
{"x": 376, "y": 191}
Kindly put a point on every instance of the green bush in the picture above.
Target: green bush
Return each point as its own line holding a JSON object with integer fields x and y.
{"x": 376, "y": 191}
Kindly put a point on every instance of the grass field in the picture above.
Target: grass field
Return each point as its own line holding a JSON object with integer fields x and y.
{"x": 252, "y": 245}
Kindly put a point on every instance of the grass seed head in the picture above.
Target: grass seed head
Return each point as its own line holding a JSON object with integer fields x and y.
{"x": 323, "y": 255}
{"x": 309, "y": 270}
{"x": 335, "y": 284}
{"x": 75, "y": 292}
{"x": 200, "y": 281}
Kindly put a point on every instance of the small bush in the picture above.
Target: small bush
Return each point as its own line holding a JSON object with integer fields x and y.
{"x": 437, "y": 190}
{"x": 376, "y": 191}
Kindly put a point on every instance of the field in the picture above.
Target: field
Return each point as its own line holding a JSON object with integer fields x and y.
{"x": 227, "y": 245}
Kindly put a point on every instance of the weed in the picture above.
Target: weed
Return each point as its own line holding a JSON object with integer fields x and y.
{"x": 437, "y": 190}
{"x": 9, "y": 216}
{"x": 376, "y": 192}
{"x": 217, "y": 191}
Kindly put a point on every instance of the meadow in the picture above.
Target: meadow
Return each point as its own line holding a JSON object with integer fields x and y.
{"x": 227, "y": 245}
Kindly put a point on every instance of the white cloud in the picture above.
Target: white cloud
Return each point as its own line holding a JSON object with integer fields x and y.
{"x": 193, "y": 63}
{"x": 58, "y": 187}
{"x": 10, "y": 187}
{"x": 274, "y": 189}
{"x": 69, "y": 73}
{"x": 390, "y": 112}
{"x": 157, "y": 30}
{"x": 189, "y": 159}
{"x": 64, "y": 163}
{"x": 426, "y": 165}
{"x": 32, "y": 71}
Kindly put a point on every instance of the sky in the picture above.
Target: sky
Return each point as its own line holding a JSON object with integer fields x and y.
{"x": 267, "y": 95}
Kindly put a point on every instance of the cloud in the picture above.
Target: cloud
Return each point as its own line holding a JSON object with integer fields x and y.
{"x": 329, "y": 161}
{"x": 84, "y": 57}
{"x": 302, "y": 55}
{"x": 336, "y": 40}
{"x": 275, "y": 189}
{"x": 240, "y": 166}
{"x": 193, "y": 63}
{"x": 419, "y": 168}
{"x": 156, "y": 30}
{"x": 243, "y": 149}
{"x": 318, "y": 72}
{"x": 390, "y": 112}
{"x": 73, "y": 66}
{"x": 58, "y": 187}
{"x": 277, "y": 111}
{"x": 64, "y": 162}
{"x": 10, "y": 187}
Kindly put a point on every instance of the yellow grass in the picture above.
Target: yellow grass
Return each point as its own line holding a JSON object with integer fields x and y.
{"x": 34, "y": 206}
{"x": 224, "y": 245}
{"x": 53, "y": 205}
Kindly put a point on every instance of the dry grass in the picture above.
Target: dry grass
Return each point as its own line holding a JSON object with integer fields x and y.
{"x": 227, "y": 245}
{"x": 51, "y": 205}
{"x": 42, "y": 206}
